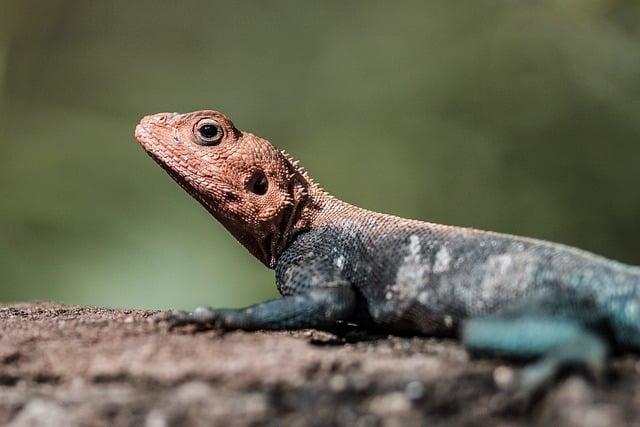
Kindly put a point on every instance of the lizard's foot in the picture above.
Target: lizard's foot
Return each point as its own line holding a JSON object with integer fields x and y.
{"x": 203, "y": 317}
{"x": 559, "y": 344}
{"x": 585, "y": 354}
{"x": 318, "y": 308}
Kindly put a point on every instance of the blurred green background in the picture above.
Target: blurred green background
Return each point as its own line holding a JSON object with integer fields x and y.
{"x": 520, "y": 117}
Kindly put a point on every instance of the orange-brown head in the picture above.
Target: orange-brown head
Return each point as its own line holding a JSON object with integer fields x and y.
{"x": 252, "y": 188}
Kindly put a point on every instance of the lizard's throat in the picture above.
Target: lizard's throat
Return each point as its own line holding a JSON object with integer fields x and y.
{"x": 257, "y": 246}
{"x": 265, "y": 243}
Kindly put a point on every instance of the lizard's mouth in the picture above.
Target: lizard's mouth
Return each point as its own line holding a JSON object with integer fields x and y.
{"x": 155, "y": 148}
{"x": 144, "y": 135}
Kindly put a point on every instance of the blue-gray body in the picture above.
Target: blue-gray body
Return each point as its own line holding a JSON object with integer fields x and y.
{"x": 430, "y": 278}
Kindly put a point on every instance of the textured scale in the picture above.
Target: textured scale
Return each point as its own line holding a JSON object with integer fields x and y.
{"x": 333, "y": 261}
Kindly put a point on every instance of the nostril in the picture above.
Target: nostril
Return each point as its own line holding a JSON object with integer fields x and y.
{"x": 163, "y": 118}
{"x": 158, "y": 119}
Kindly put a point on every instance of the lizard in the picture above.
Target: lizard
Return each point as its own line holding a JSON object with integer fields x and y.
{"x": 500, "y": 294}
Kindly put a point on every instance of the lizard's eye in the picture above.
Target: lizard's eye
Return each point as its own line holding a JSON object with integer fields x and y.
{"x": 208, "y": 132}
{"x": 258, "y": 183}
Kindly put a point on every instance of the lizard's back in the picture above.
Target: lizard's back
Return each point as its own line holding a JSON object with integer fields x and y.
{"x": 429, "y": 277}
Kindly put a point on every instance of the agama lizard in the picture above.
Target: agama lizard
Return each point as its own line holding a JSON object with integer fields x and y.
{"x": 501, "y": 294}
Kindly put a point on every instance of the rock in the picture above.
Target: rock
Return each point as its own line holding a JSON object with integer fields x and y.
{"x": 41, "y": 413}
{"x": 62, "y": 365}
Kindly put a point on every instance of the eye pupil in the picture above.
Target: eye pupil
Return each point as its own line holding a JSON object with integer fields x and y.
{"x": 209, "y": 131}
{"x": 259, "y": 184}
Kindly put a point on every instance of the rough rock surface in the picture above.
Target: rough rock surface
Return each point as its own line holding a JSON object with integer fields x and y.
{"x": 62, "y": 365}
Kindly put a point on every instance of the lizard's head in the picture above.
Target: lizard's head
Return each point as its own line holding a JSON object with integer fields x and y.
{"x": 252, "y": 188}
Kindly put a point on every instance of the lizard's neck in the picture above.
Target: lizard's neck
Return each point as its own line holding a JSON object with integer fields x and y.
{"x": 311, "y": 203}
{"x": 313, "y": 209}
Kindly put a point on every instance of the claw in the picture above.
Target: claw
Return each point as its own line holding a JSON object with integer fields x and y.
{"x": 203, "y": 317}
{"x": 537, "y": 376}
{"x": 174, "y": 318}
{"x": 168, "y": 316}
{"x": 178, "y": 318}
{"x": 532, "y": 381}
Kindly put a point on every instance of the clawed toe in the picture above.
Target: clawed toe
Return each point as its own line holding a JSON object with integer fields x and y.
{"x": 533, "y": 381}
{"x": 201, "y": 316}
{"x": 169, "y": 316}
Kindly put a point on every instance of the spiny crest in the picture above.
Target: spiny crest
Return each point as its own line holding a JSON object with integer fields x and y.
{"x": 301, "y": 170}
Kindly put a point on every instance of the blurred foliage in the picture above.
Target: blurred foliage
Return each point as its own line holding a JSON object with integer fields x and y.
{"x": 520, "y": 117}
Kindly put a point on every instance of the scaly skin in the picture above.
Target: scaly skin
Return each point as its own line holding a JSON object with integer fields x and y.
{"x": 334, "y": 262}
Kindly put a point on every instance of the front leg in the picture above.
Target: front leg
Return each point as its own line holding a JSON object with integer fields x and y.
{"x": 316, "y": 308}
